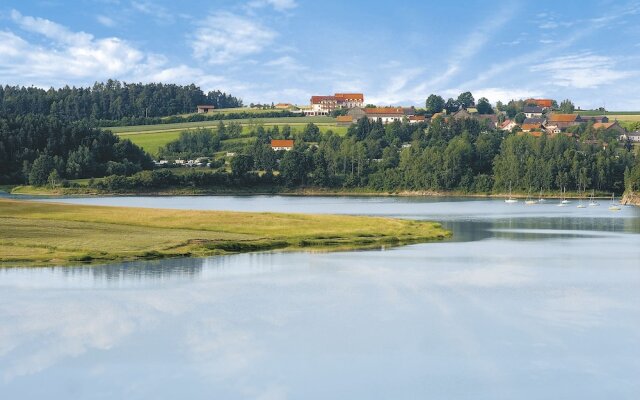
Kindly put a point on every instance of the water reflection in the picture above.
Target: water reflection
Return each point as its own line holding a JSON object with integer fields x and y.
{"x": 516, "y": 306}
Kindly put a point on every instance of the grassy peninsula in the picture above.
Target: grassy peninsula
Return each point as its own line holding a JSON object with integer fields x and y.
{"x": 33, "y": 233}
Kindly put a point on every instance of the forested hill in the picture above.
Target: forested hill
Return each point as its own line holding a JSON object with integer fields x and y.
{"x": 112, "y": 100}
{"x": 42, "y": 149}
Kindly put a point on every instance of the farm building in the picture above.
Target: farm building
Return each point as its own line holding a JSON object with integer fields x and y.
{"x": 205, "y": 109}
{"x": 281, "y": 144}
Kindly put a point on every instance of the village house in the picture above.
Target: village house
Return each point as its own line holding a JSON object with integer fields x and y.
{"x": 614, "y": 126}
{"x": 204, "y": 109}
{"x": 533, "y": 126}
{"x": 533, "y": 111}
{"x": 281, "y": 144}
{"x": 384, "y": 114}
{"x": 489, "y": 119}
{"x": 324, "y": 105}
{"x": 416, "y": 119}
{"x": 345, "y": 120}
{"x": 543, "y": 103}
{"x": 633, "y": 137}
{"x": 595, "y": 119}
{"x": 563, "y": 121}
{"x": 507, "y": 125}
{"x": 552, "y": 129}
{"x": 284, "y": 106}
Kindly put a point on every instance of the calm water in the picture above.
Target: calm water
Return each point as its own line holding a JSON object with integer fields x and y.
{"x": 526, "y": 302}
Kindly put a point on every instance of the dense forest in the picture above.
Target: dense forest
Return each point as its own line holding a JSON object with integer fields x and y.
{"x": 41, "y": 150}
{"x": 460, "y": 155}
{"x": 112, "y": 100}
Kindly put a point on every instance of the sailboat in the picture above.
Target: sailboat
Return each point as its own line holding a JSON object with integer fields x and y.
{"x": 614, "y": 206}
{"x": 592, "y": 201}
{"x": 529, "y": 201}
{"x": 564, "y": 198}
{"x": 564, "y": 201}
{"x": 510, "y": 199}
{"x": 541, "y": 200}
{"x": 580, "y": 203}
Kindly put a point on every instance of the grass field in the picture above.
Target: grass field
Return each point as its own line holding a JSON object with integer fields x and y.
{"x": 187, "y": 125}
{"x": 34, "y": 233}
{"x": 152, "y": 139}
{"x": 237, "y": 110}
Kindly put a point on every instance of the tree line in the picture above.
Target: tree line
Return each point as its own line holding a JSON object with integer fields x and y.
{"x": 39, "y": 149}
{"x": 112, "y": 100}
{"x": 448, "y": 154}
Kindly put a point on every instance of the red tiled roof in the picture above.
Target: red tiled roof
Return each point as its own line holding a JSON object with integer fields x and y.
{"x": 281, "y": 143}
{"x": 384, "y": 110}
{"x": 563, "y": 117}
{"x": 529, "y": 127}
{"x": 540, "y": 102}
{"x": 318, "y": 99}
{"x": 416, "y": 118}
{"x": 344, "y": 118}
{"x": 603, "y": 125}
{"x": 350, "y": 96}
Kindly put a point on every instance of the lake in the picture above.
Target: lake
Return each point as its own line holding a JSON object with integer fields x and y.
{"x": 525, "y": 302}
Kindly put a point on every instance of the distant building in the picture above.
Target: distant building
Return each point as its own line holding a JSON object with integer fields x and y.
{"x": 281, "y": 144}
{"x": 345, "y": 120}
{"x": 416, "y": 119}
{"x": 385, "y": 114}
{"x": 631, "y": 136}
{"x": 595, "y": 119}
{"x": 324, "y": 105}
{"x": 508, "y": 125}
{"x": 284, "y": 106}
{"x": 544, "y": 103}
{"x": 615, "y": 126}
{"x": 563, "y": 121}
{"x": 531, "y": 127}
{"x": 205, "y": 109}
{"x": 533, "y": 111}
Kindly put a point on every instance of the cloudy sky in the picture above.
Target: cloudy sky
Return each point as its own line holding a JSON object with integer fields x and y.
{"x": 286, "y": 50}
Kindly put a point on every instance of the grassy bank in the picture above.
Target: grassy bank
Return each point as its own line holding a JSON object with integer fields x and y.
{"x": 34, "y": 233}
{"x": 189, "y": 190}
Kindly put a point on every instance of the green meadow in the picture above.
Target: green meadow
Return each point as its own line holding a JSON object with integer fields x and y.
{"x": 33, "y": 233}
{"x": 152, "y": 137}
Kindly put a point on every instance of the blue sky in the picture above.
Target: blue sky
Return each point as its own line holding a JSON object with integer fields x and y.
{"x": 286, "y": 50}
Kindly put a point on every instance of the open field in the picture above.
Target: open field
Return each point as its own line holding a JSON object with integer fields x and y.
{"x": 152, "y": 140}
{"x": 200, "y": 124}
{"x": 237, "y": 110}
{"x": 34, "y": 233}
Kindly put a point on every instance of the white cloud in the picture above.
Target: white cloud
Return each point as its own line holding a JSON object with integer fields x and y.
{"x": 585, "y": 70}
{"x": 286, "y": 63}
{"x": 78, "y": 58}
{"x": 50, "y": 29}
{"x": 106, "y": 21}
{"x": 156, "y": 11}
{"x": 224, "y": 37}
{"x": 505, "y": 94}
{"x": 473, "y": 44}
{"x": 278, "y": 5}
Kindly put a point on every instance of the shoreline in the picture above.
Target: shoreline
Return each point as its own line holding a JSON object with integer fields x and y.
{"x": 55, "y": 234}
{"x": 312, "y": 192}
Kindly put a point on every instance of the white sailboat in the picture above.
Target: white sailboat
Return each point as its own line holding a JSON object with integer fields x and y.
{"x": 581, "y": 204}
{"x": 614, "y": 206}
{"x": 592, "y": 201}
{"x": 510, "y": 200}
{"x": 564, "y": 201}
{"x": 564, "y": 198}
{"x": 529, "y": 201}
{"x": 541, "y": 200}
